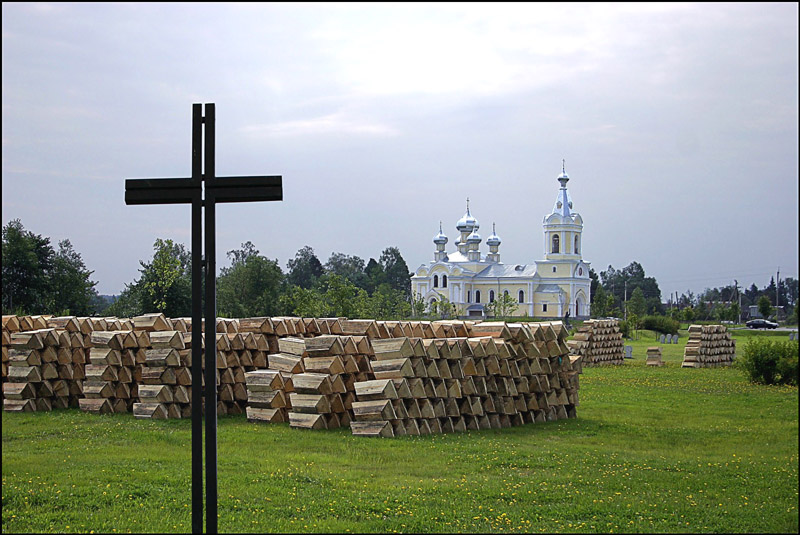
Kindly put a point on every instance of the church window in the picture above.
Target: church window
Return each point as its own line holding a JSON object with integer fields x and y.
{"x": 477, "y": 296}
{"x": 544, "y": 307}
{"x": 436, "y": 281}
{"x": 521, "y": 296}
{"x": 554, "y": 270}
{"x": 491, "y": 296}
{"x": 505, "y": 292}
{"x": 580, "y": 271}
{"x": 469, "y": 296}
{"x": 444, "y": 281}
{"x": 576, "y": 245}
{"x": 555, "y": 243}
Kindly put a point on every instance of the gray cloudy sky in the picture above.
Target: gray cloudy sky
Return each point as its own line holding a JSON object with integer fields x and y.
{"x": 678, "y": 123}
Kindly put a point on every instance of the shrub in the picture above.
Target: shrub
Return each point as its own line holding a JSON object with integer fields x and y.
{"x": 661, "y": 324}
{"x": 624, "y": 328}
{"x": 770, "y": 362}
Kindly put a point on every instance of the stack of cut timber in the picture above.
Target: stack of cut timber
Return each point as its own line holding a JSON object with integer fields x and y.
{"x": 317, "y": 401}
{"x": 654, "y": 356}
{"x": 10, "y": 326}
{"x": 231, "y": 391}
{"x": 164, "y": 388}
{"x": 71, "y": 359}
{"x": 266, "y": 396}
{"x": 599, "y": 342}
{"x": 255, "y": 337}
{"x": 496, "y": 376}
{"x": 32, "y": 366}
{"x": 109, "y": 374}
{"x": 709, "y": 346}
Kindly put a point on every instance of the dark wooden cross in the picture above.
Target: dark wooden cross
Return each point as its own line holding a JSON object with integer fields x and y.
{"x": 191, "y": 191}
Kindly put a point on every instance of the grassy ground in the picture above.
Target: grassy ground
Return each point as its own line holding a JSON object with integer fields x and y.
{"x": 674, "y": 352}
{"x": 653, "y": 450}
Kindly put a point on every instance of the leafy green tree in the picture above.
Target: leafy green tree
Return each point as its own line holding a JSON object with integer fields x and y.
{"x": 341, "y": 297}
{"x": 128, "y": 303}
{"x": 442, "y": 308}
{"x": 305, "y": 268}
{"x": 307, "y": 303}
{"x": 734, "y": 312}
{"x": 72, "y": 291}
{"x": 791, "y": 286}
{"x": 634, "y": 322}
{"x": 38, "y": 280}
{"x": 600, "y": 302}
{"x": 251, "y": 286}
{"x": 165, "y": 284}
{"x": 387, "y": 303}
{"x": 396, "y": 270}
{"x": 27, "y": 261}
{"x": 375, "y": 275}
{"x": 688, "y": 314}
{"x": 637, "y": 304}
{"x": 349, "y": 267}
{"x": 167, "y": 280}
{"x": 417, "y": 305}
{"x": 502, "y": 307}
{"x": 615, "y": 282}
{"x": 764, "y": 306}
{"x": 594, "y": 284}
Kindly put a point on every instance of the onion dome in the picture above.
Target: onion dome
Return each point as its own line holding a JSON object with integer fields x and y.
{"x": 467, "y": 222}
{"x": 494, "y": 239}
{"x": 474, "y": 237}
{"x": 440, "y": 239}
{"x": 563, "y": 177}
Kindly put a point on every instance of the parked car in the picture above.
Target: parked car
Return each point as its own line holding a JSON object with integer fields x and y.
{"x": 761, "y": 324}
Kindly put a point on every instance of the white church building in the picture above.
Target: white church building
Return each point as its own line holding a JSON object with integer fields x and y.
{"x": 548, "y": 288}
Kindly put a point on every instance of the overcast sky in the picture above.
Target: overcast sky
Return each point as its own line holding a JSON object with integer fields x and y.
{"x": 678, "y": 123}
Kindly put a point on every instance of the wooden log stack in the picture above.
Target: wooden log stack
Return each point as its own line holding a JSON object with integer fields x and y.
{"x": 32, "y": 367}
{"x": 165, "y": 383}
{"x": 377, "y": 377}
{"x": 654, "y": 356}
{"x": 109, "y": 385}
{"x": 497, "y": 375}
{"x": 324, "y": 390}
{"x": 599, "y": 342}
{"x": 708, "y": 346}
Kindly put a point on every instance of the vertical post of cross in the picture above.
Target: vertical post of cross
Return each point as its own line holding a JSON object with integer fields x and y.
{"x": 197, "y": 320}
{"x": 211, "y": 322}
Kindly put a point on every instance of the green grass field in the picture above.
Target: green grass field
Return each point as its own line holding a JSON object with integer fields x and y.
{"x": 665, "y": 449}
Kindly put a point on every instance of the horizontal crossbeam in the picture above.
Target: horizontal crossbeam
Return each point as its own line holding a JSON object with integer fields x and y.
{"x": 246, "y": 189}
{"x": 187, "y": 190}
{"x": 161, "y": 190}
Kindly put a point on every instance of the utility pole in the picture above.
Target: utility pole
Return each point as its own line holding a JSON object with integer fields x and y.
{"x": 625, "y": 301}
{"x": 739, "y": 294}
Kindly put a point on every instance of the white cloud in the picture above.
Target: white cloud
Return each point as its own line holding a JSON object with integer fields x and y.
{"x": 334, "y": 123}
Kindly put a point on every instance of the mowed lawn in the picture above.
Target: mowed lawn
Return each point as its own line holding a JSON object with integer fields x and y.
{"x": 652, "y": 450}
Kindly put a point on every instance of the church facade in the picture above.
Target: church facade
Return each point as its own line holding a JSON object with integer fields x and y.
{"x": 550, "y": 288}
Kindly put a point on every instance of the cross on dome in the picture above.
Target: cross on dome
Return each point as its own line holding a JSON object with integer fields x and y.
{"x": 467, "y": 223}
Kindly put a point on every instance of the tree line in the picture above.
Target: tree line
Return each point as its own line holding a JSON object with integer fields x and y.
{"x": 36, "y": 279}
{"x": 254, "y": 285}
{"x": 615, "y": 291}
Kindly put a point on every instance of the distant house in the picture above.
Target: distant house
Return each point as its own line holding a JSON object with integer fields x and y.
{"x": 754, "y": 313}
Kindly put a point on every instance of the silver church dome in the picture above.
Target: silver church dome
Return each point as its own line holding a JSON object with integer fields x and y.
{"x": 440, "y": 239}
{"x": 467, "y": 222}
{"x": 494, "y": 239}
